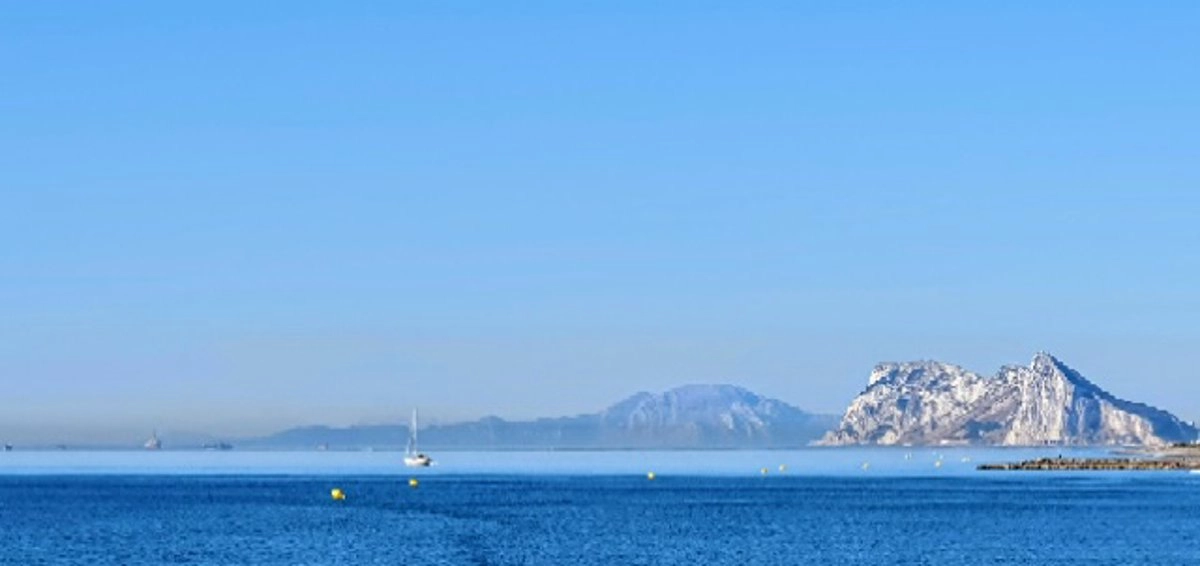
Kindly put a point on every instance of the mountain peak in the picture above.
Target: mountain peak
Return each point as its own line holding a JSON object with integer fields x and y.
{"x": 710, "y": 391}
{"x": 1046, "y": 365}
{"x": 895, "y": 372}
{"x": 1045, "y": 402}
{"x": 710, "y": 388}
{"x": 707, "y": 414}
{"x": 1044, "y": 362}
{"x": 1043, "y": 357}
{"x": 686, "y": 398}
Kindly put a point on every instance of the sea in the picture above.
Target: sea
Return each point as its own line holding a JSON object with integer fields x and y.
{"x": 915, "y": 506}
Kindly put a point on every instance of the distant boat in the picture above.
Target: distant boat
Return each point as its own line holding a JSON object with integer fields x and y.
{"x": 217, "y": 446}
{"x": 153, "y": 443}
{"x": 412, "y": 457}
{"x": 8, "y": 447}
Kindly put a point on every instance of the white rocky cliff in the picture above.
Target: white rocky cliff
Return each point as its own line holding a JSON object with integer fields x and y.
{"x": 1044, "y": 403}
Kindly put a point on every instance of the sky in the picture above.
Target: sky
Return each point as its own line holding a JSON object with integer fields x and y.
{"x": 232, "y": 217}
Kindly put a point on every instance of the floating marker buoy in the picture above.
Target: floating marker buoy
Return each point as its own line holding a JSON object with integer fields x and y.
{"x": 937, "y": 464}
{"x": 337, "y": 494}
{"x": 782, "y": 468}
{"x": 650, "y": 476}
{"x": 764, "y": 471}
{"x": 866, "y": 465}
{"x": 412, "y": 482}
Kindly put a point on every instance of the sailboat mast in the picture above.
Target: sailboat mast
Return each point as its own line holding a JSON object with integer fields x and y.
{"x": 413, "y": 457}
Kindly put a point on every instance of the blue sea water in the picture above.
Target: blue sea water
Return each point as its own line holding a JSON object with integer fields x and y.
{"x": 585, "y": 508}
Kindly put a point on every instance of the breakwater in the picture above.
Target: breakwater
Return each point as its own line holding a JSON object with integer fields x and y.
{"x": 1096, "y": 464}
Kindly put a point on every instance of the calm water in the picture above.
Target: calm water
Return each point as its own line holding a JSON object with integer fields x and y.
{"x": 892, "y": 513}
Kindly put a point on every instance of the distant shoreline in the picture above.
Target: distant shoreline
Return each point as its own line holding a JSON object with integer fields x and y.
{"x": 461, "y": 449}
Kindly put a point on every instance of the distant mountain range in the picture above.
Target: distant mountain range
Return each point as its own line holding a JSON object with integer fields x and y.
{"x": 918, "y": 403}
{"x": 692, "y": 416}
{"x": 1047, "y": 402}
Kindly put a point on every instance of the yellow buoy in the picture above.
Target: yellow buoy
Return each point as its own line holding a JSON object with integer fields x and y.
{"x": 937, "y": 464}
{"x": 866, "y": 465}
{"x": 783, "y": 467}
{"x": 650, "y": 476}
{"x": 412, "y": 482}
{"x": 764, "y": 471}
{"x": 337, "y": 494}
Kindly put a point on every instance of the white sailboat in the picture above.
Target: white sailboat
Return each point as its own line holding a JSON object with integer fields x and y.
{"x": 154, "y": 443}
{"x": 412, "y": 457}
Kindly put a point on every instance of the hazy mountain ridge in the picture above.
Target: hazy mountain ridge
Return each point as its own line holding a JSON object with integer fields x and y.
{"x": 931, "y": 402}
{"x": 692, "y": 416}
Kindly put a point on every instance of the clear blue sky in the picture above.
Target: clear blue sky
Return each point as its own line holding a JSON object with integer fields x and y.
{"x": 227, "y": 217}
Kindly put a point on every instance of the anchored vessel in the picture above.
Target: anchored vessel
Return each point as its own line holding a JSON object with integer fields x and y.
{"x": 413, "y": 458}
{"x": 153, "y": 443}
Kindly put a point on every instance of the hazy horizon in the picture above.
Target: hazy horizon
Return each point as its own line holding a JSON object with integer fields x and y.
{"x": 130, "y": 435}
{"x": 232, "y": 219}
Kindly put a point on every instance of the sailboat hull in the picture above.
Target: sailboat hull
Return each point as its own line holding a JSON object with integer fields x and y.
{"x": 418, "y": 461}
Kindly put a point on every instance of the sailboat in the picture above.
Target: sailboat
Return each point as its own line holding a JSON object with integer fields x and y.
{"x": 154, "y": 443}
{"x": 412, "y": 457}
